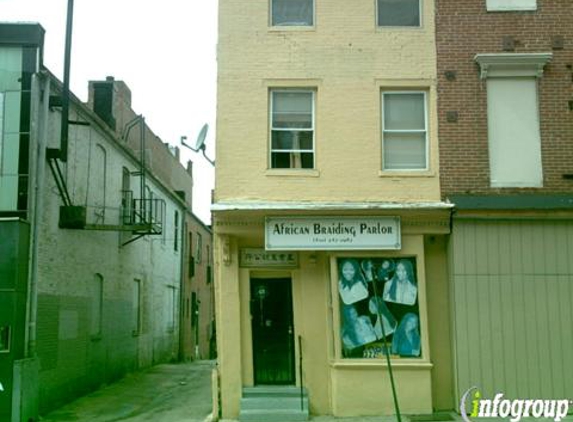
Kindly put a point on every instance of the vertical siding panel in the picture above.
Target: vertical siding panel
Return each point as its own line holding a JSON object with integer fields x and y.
{"x": 497, "y": 330}
{"x": 515, "y": 239}
{"x": 492, "y": 246}
{"x": 474, "y": 334}
{"x": 470, "y": 249}
{"x": 507, "y": 358}
{"x": 516, "y": 306}
{"x": 462, "y": 330}
{"x": 542, "y": 338}
{"x": 481, "y": 255}
{"x": 527, "y": 247}
{"x": 482, "y": 344}
{"x": 556, "y": 333}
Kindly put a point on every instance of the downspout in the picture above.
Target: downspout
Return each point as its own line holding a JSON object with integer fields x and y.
{"x": 183, "y": 249}
{"x": 41, "y": 83}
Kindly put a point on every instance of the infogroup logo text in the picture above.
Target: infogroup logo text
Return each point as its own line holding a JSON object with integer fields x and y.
{"x": 499, "y": 407}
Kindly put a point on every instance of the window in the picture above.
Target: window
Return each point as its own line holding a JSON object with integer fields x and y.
{"x": 191, "y": 258}
{"x": 404, "y": 131}
{"x": 171, "y": 308}
{"x": 136, "y": 307}
{"x": 513, "y": 125}
{"x": 399, "y": 12}
{"x": 199, "y": 248}
{"x": 96, "y": 295}
{"x": 510, "y": 5}
{"x": 176, "y": 231}
{"x": 292, "y": 129}
{"x": 5, "y": 339}
{"x": 379, "y": 307}
{"x": 514, "y": 137}
{"x": 292, "y": 12}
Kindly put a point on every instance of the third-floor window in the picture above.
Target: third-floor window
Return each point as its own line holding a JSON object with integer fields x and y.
{"x": 399, "y": 12}
{"x": 292, "y": 12}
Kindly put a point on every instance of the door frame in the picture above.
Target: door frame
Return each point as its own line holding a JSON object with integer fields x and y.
{"x": 249, "y": 358}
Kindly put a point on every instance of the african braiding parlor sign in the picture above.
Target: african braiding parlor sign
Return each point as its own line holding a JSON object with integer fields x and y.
{"x": 332, "y": 233}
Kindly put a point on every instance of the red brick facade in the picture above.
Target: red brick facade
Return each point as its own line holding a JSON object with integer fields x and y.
{"x": 464, "y": 29}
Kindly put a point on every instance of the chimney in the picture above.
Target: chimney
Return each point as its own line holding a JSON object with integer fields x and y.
{"x": 190, "y": 168}
{"x": 103, "y": 100}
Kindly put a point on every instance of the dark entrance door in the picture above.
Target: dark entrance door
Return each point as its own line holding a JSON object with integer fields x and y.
{"x": 272, "y": 326}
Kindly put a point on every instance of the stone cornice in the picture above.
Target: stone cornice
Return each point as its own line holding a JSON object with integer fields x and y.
{"x": 512, "y": 64}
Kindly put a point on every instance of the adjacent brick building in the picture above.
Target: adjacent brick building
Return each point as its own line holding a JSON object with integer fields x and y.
{"x": 505, "y": 84}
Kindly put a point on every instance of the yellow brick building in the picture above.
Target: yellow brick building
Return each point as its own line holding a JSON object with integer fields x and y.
{"x": 327, "y": 194}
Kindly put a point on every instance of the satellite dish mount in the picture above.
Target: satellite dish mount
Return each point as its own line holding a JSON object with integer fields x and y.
{"x": 200, "y": 143}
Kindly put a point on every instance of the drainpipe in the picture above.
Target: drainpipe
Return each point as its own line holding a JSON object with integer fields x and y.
{"x": 39, "y": 127}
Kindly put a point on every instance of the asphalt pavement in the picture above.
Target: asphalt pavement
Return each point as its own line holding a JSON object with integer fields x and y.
{"x": 179, "y": 392}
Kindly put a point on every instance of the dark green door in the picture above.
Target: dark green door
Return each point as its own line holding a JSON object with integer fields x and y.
{"x": 272, "y": 324}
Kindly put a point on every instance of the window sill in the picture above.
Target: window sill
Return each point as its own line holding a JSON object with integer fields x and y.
{"x": 293, "y": 172}
{"x": 394, "y": 174}
{"x": 292, "y": 28}
{"x": 399, "y": 28}
{"x": 370, "y": 363}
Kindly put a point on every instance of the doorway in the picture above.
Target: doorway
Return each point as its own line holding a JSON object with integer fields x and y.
{"x": 272, "y": 328}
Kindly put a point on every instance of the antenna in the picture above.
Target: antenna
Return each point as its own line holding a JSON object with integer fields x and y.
{"x": 200, "y": 143}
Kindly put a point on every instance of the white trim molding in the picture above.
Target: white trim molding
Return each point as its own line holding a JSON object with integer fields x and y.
{"x": 510, "y": 65}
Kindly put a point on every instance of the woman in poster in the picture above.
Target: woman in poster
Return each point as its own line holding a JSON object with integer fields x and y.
{"x": 357, "y": 329}
{"x": 401, "y": 288}
{"x": 351, "y": 284}
{"x": 406, "y": 340}
{"x": 377, "y": 307}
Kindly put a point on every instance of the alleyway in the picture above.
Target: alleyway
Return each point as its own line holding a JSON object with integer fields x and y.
{"x": 165, "y": 393}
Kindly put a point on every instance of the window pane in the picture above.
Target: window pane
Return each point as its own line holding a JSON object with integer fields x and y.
{"x": 292, "y": 12}
{"x": 283, "y": 139}
{"x": 514, "y": 133}
{"x": 404, "y": 111}
{"x": 292, "y": 109}
{"x": 292, "y": 160}
{"x": 398, "y": 13}
{"x": 404, "y": 151}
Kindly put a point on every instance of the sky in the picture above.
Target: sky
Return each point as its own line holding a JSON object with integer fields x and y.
{"x": 165, "y": 51}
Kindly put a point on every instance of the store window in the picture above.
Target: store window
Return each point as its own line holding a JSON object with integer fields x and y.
{"x": 404, "y": 131}
{"x": 399, "y": 12}
{"x": 292, "y": 12}
{"x": 96, "y": 311}
{"x": 379, "y": 312}
{"x": 510, "y": 5}
{"x": 292, "y": 129}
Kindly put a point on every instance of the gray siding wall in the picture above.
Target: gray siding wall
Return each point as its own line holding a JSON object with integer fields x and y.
{"x": 512, "y": 291}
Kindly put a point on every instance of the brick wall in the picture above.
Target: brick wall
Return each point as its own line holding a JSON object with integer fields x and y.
{"x": 463, "y": 29}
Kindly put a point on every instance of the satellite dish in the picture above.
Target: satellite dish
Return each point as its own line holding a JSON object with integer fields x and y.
{"x": 200, "y": 143}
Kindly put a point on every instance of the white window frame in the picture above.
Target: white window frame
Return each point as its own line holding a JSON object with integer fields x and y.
{"x": 420, "y": 14}
{"x": 295, "y": 25}
{"x": 510, "y": 5}
{"x": 425, "y": 130}
{"x": 311, "y": 129}
{"x": 513, "y": 66}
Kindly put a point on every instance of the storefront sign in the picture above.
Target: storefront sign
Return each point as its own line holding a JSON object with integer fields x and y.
{"x": 332, "y": 233}
{"x": 260, "y": 258}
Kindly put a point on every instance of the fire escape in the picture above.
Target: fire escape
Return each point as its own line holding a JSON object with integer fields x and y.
{"x": 140, "y": 216}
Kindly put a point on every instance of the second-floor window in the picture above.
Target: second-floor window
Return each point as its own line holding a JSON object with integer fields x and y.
{"x": 292, "y": 12}
{"x": 292, "y": 129}
{"x": 404, "y": 131}
{"x": 399, "y": 12}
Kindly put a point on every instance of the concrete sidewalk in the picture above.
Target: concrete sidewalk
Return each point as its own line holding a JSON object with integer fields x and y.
{"x": 164, "y": 393}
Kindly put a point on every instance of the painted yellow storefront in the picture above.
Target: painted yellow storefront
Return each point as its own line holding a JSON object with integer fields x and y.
{"x": 336, "y": 385}
{"x": 346, "y": 73}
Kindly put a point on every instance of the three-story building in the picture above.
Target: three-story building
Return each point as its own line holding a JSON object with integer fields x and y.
{"x": 330, "y": 231}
